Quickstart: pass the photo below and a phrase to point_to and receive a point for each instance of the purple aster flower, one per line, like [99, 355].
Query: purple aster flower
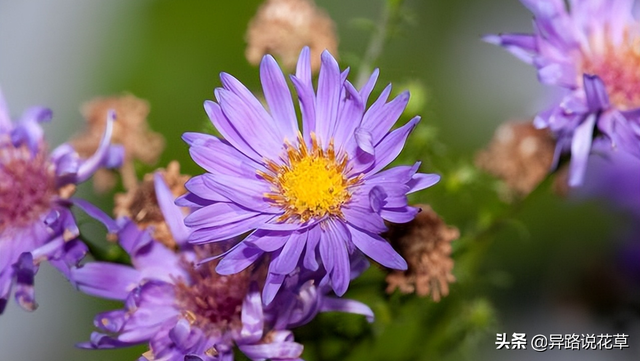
[315, 194]
[590, 50]
[36, 223]
[186, 312]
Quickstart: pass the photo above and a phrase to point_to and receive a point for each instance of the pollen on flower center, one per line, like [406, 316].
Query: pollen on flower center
[311, 183]
[212, 302]
[27, 185]
[619, 68]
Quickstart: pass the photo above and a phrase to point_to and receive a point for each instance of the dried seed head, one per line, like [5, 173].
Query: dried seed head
[425, 243]
[131, 130]
[283, 27]
[520, 155]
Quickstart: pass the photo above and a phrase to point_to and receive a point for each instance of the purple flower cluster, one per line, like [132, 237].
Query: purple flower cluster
[590, 50]
[264, 241]
[312, 199]
[36, 223]
[313, 203]
[189, 312]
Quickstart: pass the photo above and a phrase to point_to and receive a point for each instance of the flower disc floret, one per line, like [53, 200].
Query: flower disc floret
[618, 65]
[27, 185]
[311, 183]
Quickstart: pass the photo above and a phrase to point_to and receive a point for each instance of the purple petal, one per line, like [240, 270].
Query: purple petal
[303, 67]
[102, 341]
[252, 316]
[288, 258]
[328, 98]
[619, 128]
[240, 258]
[369, 85]
[341, 273]
[345, 305]
[306, 96]
[364, 139]
[523, 46]
[272, 284]
[228, 131]
[400, 214]
[248, 193]
[217, 215]
[326, 251]
[191, 200]
[24, 272]
[596, 93]
[91, 164]
[378, 249]
[377, 195]
[377, 106]
[227, 231]
[275, 350]
[380, 121]
[350, 114]
[391, 145]
[278, 97]
[260, 133]
[72, 253]
[131, 238]
[220, 158]
[558, 74]
[180, 332]
[106, 280]
[420, 181]
[114, 157]
[310, 260]
[110, 321]
[172, 214]
[580, 148]
[199, 189]
[267, 240]
[360, 214]
[204, 140]
[96, 213]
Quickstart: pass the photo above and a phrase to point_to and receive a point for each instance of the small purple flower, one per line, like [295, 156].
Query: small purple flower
[36, 223]
[591, 51]
[186, 312]
[318, 194]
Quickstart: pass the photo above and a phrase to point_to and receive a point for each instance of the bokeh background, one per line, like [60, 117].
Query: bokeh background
[560, 265]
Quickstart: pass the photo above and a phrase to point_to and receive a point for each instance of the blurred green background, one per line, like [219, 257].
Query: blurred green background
[553, 267]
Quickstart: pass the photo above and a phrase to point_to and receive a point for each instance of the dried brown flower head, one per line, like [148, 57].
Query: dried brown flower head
[141, 205]
[130, 129]
[561, 181]
[425, 243]
[520, 155]
[283, 27]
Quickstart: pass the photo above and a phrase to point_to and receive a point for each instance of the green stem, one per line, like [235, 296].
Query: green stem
[481, 240]
[390, 12]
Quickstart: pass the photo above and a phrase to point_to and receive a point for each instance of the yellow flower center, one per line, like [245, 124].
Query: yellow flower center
[619, 68]
[311, 183]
